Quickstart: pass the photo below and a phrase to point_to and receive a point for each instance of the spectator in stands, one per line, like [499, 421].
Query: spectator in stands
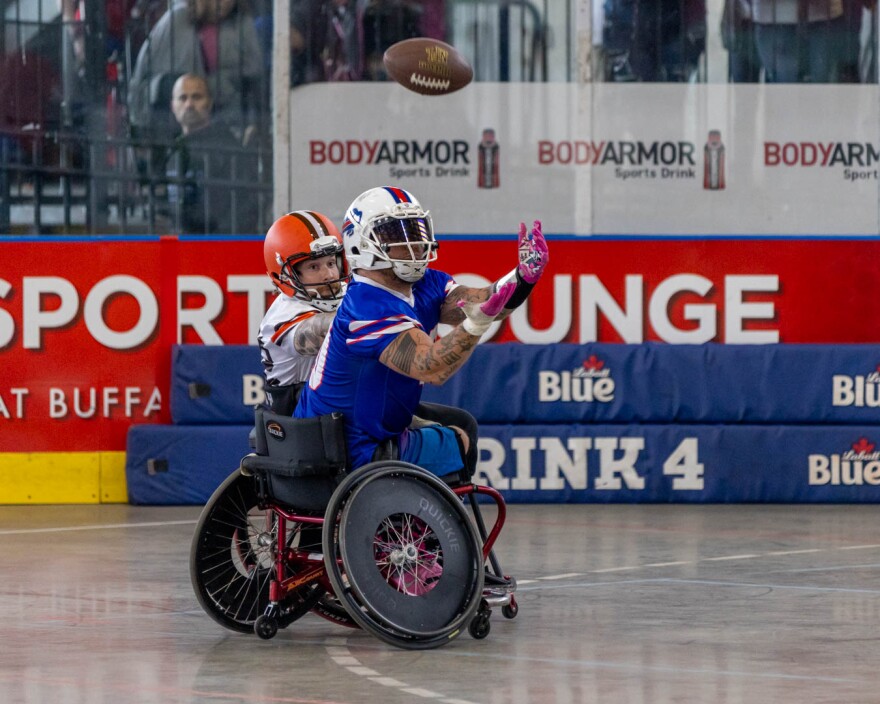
[738, 37]
[310, 34]
[386, 22]
[326, 41]
[432, 23]
[854, 68]
[116, 14]
[868, 57]
[344, 40]
[212, 38]
[799, 40]
[654, 40]
[207, 168]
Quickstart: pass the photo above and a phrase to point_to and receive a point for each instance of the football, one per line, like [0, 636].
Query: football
[427, 66]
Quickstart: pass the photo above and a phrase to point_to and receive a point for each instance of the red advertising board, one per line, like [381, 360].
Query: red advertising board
[86, 326]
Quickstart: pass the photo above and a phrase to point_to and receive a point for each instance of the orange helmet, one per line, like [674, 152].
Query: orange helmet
[296, 237]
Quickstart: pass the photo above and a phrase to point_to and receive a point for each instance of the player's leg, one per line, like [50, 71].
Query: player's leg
[438, 449]
[458, 417]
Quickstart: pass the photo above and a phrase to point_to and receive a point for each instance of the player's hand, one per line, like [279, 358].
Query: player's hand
[479, 316]
[533, 252]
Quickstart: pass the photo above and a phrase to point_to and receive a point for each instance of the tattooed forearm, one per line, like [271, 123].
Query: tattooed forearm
[403, 354]
[451, 352]
[451, 314]
[414, 355]
[310, 333]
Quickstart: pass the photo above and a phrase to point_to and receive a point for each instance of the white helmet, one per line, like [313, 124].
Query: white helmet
[386, 228]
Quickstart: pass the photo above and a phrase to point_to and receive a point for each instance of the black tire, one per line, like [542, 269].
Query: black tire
[510, 610]
[232, 559]
[266, 627]
[480, 626]
[402, 555]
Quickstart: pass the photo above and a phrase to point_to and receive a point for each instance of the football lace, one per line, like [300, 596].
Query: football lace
[430, 83]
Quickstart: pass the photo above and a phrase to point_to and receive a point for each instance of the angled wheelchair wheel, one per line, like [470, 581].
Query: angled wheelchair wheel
[402, 555]
[330, 608]
[232, 558]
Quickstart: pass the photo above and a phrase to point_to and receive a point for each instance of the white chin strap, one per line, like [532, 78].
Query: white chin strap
[326, 305]
[409, 271]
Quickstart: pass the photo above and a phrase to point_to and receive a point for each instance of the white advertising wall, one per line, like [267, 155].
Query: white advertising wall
[598, 158]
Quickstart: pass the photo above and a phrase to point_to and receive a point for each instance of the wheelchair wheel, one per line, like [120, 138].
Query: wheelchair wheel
[233, 556]
[402, 555]
[330, 608]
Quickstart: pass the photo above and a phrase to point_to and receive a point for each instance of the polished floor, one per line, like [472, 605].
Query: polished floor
[618, 604]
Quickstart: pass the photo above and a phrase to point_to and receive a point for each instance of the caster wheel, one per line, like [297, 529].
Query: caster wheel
[510, 610]
[266, 627]
[479, 627]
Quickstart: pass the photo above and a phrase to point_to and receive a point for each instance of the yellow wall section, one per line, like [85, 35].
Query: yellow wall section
[62, 477]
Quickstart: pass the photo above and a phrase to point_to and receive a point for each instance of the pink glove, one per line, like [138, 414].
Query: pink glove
[479, 316]
[533, 253]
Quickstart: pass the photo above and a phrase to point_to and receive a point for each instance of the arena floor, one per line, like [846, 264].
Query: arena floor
[621, 604]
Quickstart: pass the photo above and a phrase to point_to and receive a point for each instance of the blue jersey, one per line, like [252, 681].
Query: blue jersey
[377, 402]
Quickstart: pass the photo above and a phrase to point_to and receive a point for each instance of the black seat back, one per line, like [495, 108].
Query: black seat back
[301, 459]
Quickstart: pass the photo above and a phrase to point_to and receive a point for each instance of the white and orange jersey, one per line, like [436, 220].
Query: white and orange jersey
[282, 364]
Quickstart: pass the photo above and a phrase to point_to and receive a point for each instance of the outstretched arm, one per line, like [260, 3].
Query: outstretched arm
[415, 355]
[533, 258]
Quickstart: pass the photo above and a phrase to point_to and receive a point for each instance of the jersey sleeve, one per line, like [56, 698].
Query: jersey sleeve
[449, 284]
[370, 332]
[443, 285]
[281, 331]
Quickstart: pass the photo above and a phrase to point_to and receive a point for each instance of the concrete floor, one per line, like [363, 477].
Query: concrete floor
[622, 604]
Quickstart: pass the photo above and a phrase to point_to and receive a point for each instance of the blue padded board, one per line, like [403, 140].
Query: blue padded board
[601, 383]
[659, 383]
[681, 463]
[208, 383]
[169, 464]
[575, 463]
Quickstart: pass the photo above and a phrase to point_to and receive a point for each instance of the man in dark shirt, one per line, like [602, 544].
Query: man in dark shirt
[207, 168]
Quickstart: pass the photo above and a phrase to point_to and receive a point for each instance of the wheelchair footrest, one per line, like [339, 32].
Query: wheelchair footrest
[497, 590]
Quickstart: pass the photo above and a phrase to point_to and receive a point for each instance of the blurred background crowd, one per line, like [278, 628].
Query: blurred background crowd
[152, 116]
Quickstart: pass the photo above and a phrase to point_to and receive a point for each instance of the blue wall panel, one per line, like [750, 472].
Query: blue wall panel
[603, 383]
[209, 384]
[175, 464]
[681, 463]
[575, 463]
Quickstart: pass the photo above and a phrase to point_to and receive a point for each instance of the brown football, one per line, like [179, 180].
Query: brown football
[427, 66]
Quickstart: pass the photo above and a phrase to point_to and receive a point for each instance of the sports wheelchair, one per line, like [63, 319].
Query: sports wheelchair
[389, 547]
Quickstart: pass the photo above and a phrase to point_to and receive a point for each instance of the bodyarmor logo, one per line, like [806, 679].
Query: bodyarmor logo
[591, 382]
[859, 465]
[856, 390]
[858, 160]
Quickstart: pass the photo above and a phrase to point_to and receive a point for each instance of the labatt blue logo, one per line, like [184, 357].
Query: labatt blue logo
[856, 466]
[591, 382]
[860, 390]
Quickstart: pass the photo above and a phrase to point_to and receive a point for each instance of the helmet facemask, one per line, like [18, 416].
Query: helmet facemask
[326, 295]
[404, 239]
